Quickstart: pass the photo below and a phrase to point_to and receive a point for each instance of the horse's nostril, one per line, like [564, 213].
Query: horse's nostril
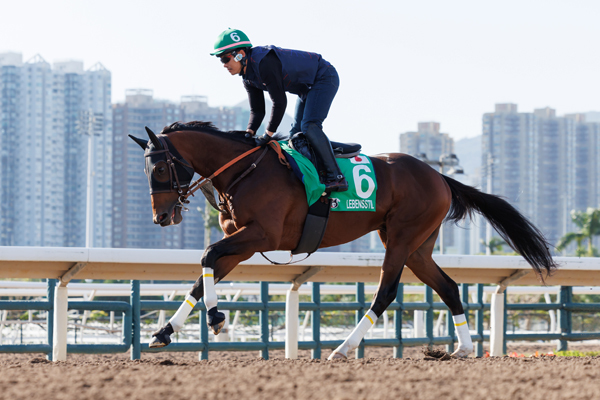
[162, 217]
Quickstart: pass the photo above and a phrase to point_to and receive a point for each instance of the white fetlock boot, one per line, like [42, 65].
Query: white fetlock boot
[465, 345]
[355, 337]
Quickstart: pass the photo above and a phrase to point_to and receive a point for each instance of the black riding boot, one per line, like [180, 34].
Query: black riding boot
[334, 180]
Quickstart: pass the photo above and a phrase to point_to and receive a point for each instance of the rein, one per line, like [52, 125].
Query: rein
[200, 182]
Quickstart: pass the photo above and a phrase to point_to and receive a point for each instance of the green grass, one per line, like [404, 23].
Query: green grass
[577, 353]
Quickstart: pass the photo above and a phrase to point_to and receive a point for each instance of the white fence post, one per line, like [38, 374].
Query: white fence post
[497, 313]
[551, 313]
[61, 302]
[419, 323]
[292, 311]
[497, 325]
[292, 305]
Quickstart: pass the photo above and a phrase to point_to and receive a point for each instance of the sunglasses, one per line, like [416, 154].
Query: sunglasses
[225, 59]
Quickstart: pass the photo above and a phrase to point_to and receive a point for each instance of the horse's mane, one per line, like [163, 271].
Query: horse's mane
[208, 127]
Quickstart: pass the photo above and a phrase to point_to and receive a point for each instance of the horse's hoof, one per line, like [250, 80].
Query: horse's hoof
[462, 353]
[216, 320]
[156, 344]
[218, 327]
[162, 337]
[337, 356]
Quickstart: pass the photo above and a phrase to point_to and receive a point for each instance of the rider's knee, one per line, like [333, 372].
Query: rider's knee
[306, 125]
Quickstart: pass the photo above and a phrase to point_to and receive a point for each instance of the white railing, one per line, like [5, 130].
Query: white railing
[232, 291]
[66, 264]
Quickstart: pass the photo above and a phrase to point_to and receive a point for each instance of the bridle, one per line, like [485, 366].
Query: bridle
[181, 173]
[168, 171]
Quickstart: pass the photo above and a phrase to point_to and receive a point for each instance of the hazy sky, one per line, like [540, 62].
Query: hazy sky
[400, 62]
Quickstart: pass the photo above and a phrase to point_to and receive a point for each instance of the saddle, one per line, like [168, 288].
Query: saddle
[318, 213]
[299, 143]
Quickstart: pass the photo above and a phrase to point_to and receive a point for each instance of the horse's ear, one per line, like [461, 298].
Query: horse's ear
[143, 143]
[157, 144]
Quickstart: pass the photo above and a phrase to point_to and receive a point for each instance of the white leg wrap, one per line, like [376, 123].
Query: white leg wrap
[465, 345]
[210, 296]
[182, 313]
[357, 334]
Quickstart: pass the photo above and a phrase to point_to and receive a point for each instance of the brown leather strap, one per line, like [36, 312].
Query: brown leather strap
[197, 184]
[230, 163]
[194, 186]
[250, 169]
[277, 147]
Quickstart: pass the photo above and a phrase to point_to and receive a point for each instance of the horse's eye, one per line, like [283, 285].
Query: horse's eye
[161, 172]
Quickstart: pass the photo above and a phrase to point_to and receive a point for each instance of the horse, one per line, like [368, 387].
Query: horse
[265, 209]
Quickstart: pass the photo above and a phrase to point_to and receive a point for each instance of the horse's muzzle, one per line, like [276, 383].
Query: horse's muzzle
[163, 219]
[166, 219]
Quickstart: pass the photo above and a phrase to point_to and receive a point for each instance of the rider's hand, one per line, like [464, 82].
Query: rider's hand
[262, 140]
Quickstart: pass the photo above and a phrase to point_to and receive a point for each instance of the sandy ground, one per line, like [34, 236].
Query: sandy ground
[246, 376]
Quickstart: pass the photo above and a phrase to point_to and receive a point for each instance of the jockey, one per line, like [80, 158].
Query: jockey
[277, 70]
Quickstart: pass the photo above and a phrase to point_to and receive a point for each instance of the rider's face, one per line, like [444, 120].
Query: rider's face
[234, 67]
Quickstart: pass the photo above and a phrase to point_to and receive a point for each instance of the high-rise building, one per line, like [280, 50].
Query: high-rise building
[427, 140]
[88, 122]
[12, 104]
[43, 167]
[46, 114]
[544, 165]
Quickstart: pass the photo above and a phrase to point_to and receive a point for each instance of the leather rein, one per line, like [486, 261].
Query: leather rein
[186, 191]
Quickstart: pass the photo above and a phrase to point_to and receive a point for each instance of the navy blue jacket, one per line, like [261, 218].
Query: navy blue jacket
[300, 69]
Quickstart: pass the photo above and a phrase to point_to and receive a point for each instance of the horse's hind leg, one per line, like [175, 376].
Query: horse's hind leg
[395, 257]
[422, 265]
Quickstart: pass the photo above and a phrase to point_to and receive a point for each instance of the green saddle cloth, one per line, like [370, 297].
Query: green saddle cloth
[359, 172]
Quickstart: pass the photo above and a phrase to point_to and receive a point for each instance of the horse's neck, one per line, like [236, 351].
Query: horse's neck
[207, 152]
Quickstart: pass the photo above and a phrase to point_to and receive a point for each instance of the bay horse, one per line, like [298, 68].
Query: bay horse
[266, 211]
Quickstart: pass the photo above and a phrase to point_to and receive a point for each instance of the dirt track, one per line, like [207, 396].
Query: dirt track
[244, 376]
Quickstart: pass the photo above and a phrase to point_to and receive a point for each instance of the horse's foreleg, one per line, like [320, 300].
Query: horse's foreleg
[161, 337]
[205, 287]
[423, 266]
[386, 293]
[218, 260]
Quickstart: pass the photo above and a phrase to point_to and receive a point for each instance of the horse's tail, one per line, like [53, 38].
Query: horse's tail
[516, 230]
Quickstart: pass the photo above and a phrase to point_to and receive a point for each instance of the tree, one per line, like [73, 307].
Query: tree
[588, 223]
[495, 245]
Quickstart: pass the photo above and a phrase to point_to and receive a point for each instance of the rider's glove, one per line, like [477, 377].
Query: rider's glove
[262, 140]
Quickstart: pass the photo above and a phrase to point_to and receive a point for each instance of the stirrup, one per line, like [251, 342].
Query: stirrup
[336, 185]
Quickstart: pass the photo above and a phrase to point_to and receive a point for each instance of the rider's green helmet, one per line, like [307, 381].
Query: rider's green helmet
[229, 40]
